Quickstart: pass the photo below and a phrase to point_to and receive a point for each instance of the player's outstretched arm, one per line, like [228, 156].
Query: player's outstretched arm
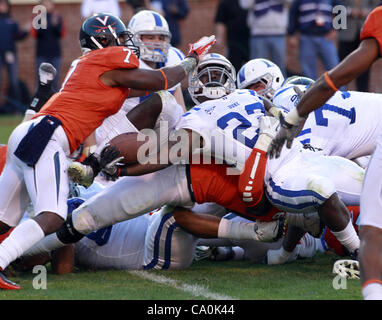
[324, 88]
[161, 79]
[205, 225]
[354, 64]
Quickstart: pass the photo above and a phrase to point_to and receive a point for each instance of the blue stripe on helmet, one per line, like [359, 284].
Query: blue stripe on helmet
[281, 91]
[158, 20]
[266, 62]
[241, 75]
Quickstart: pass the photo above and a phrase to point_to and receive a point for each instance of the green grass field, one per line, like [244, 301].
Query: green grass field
[239, 280]
[205, 280]
[7, 124]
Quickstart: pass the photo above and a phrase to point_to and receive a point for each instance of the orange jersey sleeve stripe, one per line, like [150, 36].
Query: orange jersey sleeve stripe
[251, 180]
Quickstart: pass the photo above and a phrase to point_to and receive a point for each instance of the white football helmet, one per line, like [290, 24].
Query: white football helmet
[298, 80]
[213, 78]
[263, 71]
[147, 22]
[286, 97]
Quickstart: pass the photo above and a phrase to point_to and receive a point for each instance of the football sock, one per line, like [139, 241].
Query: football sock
[238, 230]
[372, 291]
[25, 235]
[281, 256]
[348, 237]
[46, 245]
[238, 253]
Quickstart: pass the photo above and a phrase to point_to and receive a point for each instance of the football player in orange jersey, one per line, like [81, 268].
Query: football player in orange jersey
[369, 50]
[94, 88]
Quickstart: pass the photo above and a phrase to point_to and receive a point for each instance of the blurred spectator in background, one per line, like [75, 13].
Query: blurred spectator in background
[349, 38]
[312, 19]
[268, 21]
[10, 33]
[173, 11]
[232, 30]
[48, 47]
[139, 5]
[90, 7]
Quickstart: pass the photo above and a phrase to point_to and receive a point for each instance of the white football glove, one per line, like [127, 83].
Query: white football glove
[289, 128]
[267, 131]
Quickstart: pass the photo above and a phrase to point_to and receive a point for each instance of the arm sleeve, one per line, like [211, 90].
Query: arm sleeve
[372, 27]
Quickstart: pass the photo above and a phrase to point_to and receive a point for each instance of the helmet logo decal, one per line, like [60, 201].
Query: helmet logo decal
[100, 29]
[104, 20]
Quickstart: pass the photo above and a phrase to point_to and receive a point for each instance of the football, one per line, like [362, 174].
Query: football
[128, 145]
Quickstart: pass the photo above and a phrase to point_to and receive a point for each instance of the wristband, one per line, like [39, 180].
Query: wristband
[329, 82]
[165, 79]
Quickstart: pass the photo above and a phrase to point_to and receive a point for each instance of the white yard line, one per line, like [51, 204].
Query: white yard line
[195, 290]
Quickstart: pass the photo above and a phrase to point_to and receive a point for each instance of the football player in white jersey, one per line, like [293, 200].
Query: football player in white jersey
[260, 75]
[150, 241]
[152, 35]
[341, 127]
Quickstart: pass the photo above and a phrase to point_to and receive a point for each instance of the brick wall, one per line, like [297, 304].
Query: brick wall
[198, 23]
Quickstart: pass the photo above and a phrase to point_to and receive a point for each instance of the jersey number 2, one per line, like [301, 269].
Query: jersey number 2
[237, 132]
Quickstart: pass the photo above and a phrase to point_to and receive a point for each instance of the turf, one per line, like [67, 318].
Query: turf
[309, 279]
[7, 124]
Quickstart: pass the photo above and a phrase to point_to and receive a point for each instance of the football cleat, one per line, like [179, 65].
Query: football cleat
[347, 268]
[202, 253]
[269, 231]
[7, 284]
[308, 246]
[222, 254]
[81, 173]
[280, 256]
